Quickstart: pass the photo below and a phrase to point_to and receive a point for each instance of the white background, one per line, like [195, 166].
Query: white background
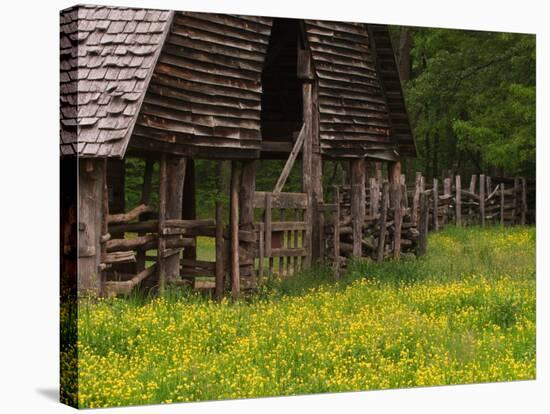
[30, 192]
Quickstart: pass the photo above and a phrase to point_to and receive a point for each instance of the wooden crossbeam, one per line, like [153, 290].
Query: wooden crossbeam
[290, 161]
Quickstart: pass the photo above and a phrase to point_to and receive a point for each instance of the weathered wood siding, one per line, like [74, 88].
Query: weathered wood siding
[205, 93]
[353, 114]
[387, 70]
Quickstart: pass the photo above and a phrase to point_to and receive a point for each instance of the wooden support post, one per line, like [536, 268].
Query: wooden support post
[416, 199]
[175, 179]
[246, 222]
[382, 223]
[116, 169]
[395, 179]
[489, 183]
[161, 261]
[316, 173]
[91, 179]
[458, 201]
[502, 204]
[234, 229]
[218, 293]
[307, 153]
[374, 197]
[482, 198]
[523, 202]
[189, 209]
[423, 222]
[358, 172]
[435, 205]
[104, 225]
[404, 195]
[336, 221]
[145, 200]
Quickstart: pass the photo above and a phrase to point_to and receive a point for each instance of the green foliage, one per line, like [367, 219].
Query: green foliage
[472, 100]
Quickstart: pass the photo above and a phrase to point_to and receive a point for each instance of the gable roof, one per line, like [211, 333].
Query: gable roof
[107, 58]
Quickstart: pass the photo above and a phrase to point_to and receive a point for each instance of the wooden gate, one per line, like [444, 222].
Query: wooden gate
[284, 242]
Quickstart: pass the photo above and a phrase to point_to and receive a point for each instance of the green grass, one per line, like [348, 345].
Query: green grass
[464, 313]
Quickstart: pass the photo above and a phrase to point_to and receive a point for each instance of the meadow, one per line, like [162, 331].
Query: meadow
[464, 313]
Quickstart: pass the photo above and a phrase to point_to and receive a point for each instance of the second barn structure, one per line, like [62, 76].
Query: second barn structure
[171, 87]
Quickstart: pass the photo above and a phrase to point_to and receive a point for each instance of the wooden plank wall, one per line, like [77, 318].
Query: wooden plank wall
[205, 93]
[353, 116]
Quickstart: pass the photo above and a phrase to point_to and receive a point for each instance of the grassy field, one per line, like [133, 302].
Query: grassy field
[464, 313]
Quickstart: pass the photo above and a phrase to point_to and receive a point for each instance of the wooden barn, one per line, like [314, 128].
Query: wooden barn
[172, 87]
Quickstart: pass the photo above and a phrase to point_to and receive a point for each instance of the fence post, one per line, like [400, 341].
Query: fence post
[458, 201]
[435, 205]
[423, 225]
[482, 198]
[416, 199]
[502, 204]
[382, 223]
[515, 200]
[523, 201]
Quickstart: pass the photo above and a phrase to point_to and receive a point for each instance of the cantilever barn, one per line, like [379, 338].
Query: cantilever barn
[171, 87]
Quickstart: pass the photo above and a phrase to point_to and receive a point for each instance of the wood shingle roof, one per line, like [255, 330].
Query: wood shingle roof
[107, 58]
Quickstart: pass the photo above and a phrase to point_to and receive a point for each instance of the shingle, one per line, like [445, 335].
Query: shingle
[80, 147]
[141, 50]
[109, 122]
[88, 134]
[156, 27]
[103, 24]
[140, 14]
[112, 73]
[130, 27]
[121, 50]
[102, 111]
[93, 39]
[95, 62]
[152, 15]
[101, 13]
[126, 74]
[115, 14]
[127, 85]
[141, 73]
[82, 36]
[131, 96]
[130, 110]
[107, 38]
[117, 106]
[143, 27]
[87, 121]
[121, 37]
[67, 149]
[107, 135]
[87, 110]
[128, 15]
[90, 149]
[116, 27]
